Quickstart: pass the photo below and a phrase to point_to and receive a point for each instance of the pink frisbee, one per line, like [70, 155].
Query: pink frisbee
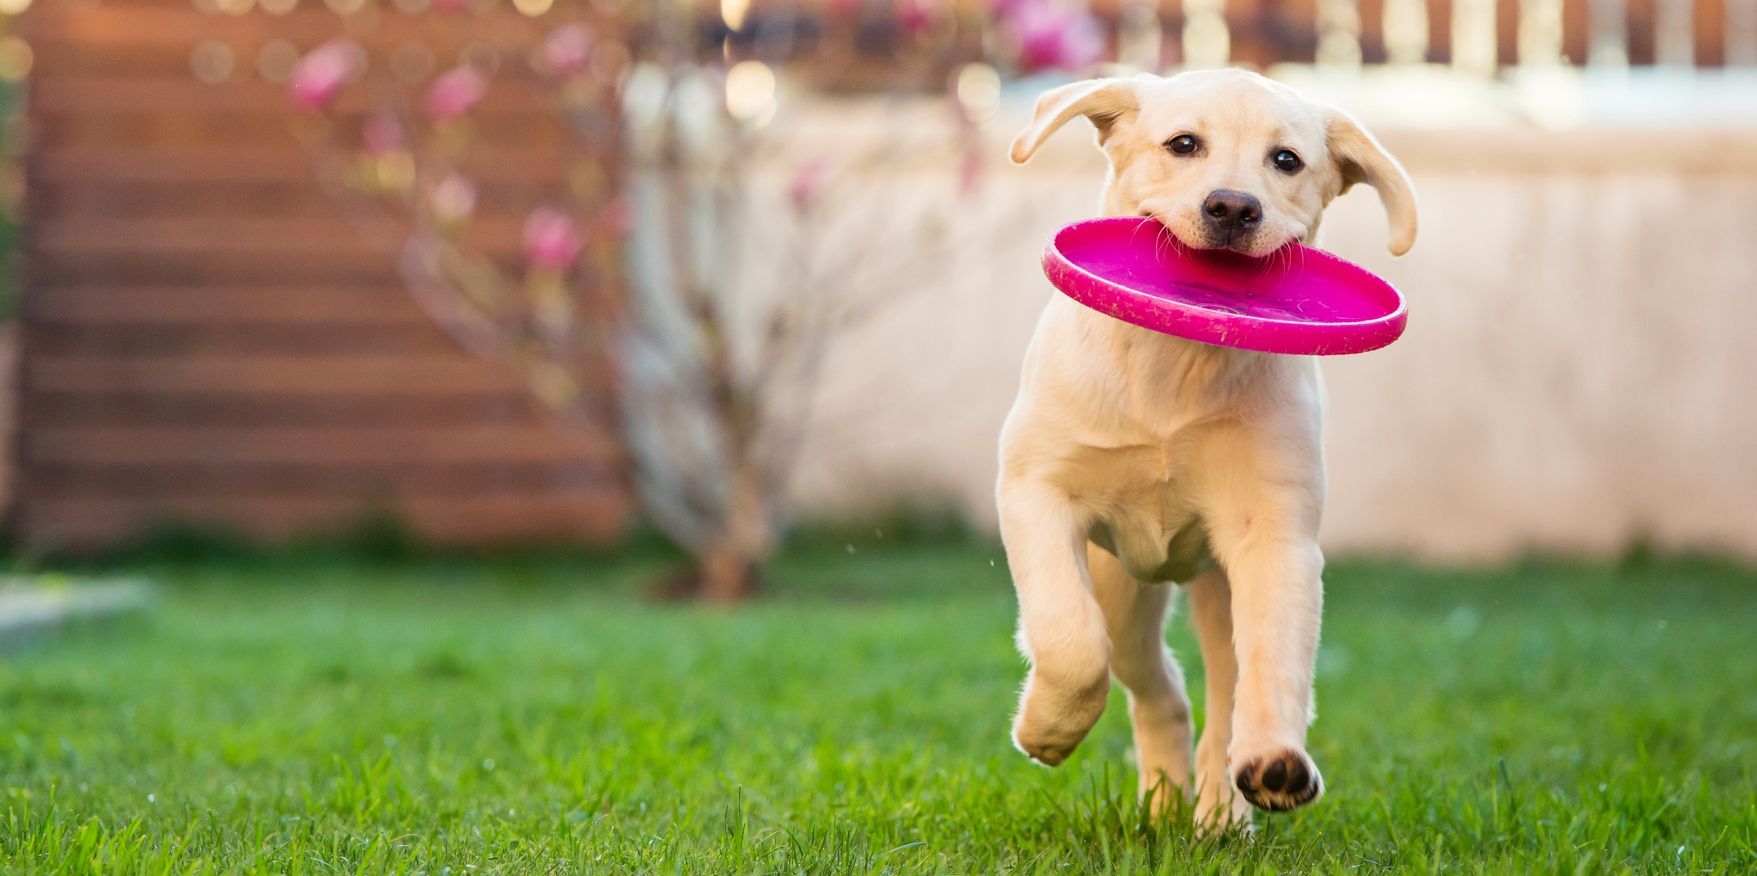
[1302, 301]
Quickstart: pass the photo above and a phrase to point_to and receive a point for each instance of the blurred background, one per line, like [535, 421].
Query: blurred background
[551, 271]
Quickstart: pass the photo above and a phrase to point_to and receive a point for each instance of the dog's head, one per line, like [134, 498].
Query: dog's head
[1225, 159]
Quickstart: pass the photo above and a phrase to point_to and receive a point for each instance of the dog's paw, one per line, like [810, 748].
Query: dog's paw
[1279, 782]
[1045, 749]
[1163, 795]
[1220, 810]
[1052, 721]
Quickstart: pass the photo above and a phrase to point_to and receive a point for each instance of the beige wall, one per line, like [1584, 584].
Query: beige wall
[1580, 366]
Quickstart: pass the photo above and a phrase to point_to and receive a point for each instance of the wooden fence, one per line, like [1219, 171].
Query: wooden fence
[207, 338]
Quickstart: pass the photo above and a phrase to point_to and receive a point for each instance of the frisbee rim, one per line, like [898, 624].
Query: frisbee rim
[1171, 316]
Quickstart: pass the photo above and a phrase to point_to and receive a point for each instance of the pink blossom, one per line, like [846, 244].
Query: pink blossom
[844, 10]
[552, 242]
[320, 75]
[454, 92]
[453, 200]
[1049, 35]
[808, 183]
[916, 17]
[567, 50]
[381, 134]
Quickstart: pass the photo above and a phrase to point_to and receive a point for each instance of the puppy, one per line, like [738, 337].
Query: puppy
[1131, 458]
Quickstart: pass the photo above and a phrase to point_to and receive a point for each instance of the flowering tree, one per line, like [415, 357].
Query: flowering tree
[731, 289]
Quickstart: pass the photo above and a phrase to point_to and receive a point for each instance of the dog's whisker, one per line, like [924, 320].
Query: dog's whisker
[1162, 235]
[1138, 228]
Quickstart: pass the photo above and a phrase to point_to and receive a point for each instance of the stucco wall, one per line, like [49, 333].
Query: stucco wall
[1579, 369]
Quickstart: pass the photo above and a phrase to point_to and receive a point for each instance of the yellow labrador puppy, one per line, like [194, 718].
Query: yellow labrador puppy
[1132, 458]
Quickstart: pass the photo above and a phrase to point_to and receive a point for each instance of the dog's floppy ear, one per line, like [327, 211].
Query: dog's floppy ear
[1101, 100]
[1363, 160]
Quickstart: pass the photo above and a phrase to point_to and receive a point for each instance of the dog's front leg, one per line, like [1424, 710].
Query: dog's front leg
[1061, 629]
[1271, 556]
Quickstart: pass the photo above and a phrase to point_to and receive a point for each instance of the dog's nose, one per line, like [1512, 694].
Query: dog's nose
[1232, 210]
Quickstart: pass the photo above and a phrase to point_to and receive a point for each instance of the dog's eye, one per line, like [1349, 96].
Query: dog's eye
[1182, 144]
[1287, 162]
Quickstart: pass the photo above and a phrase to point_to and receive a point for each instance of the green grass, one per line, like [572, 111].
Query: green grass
[330, 714]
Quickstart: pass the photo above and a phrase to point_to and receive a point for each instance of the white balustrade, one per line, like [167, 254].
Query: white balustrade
[1608, 33]
[1540, 33]
[1674, 39]
[1741, 33]
[1339, 34]
[1206, 40]
[1406, 31]
[1474, 47]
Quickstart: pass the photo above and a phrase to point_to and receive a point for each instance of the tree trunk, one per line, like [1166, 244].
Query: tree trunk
[727, 574]
[729, 567]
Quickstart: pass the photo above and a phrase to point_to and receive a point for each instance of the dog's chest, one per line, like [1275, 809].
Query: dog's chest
[1139, 509]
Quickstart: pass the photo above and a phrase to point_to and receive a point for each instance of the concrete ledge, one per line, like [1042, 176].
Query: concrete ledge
[31, 608]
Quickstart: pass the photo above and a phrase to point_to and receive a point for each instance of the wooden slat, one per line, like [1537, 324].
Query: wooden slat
[179, 257]
[176, 236]
[58, 59]
[1642, 16]
[314, 305]
[301, 199]
[1372, 30]
[293, 375]
[238, 321]
[219, 339]
[112, 25]
[285, 445]
[1507, 31]
[501, 134]
[101, 198]
[1709, 33]
[1440, 31]
[48, 270]
[327, 478]
[1577, 32]
[82, 522]
[265, 165]
[129, 95]
[127, 409]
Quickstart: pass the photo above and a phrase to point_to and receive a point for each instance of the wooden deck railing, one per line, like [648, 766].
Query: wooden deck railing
[1475, 36]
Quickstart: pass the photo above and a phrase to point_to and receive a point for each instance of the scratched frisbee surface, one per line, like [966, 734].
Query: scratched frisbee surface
[1300, 301]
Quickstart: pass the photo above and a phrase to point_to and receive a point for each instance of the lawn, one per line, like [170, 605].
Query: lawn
[320, 712]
